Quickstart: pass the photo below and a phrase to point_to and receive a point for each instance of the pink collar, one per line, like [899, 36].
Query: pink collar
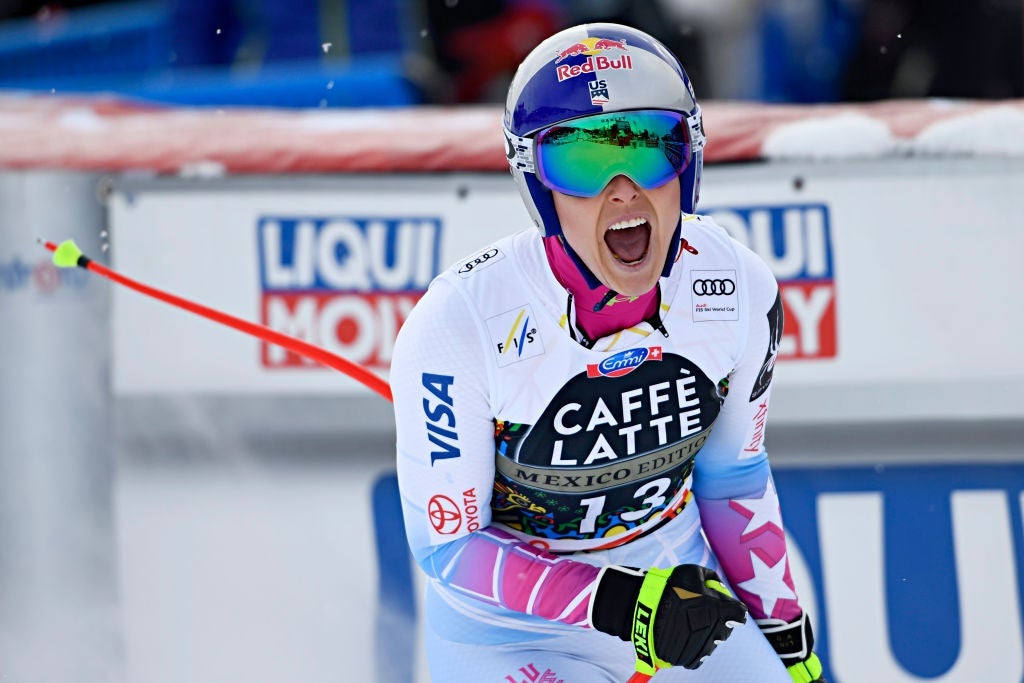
[618, 314]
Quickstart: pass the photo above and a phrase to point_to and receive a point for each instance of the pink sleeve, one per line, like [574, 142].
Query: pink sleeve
[739, 507]
[493, 566]
[748, 538]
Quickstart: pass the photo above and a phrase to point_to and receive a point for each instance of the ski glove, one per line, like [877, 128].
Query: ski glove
[793, 641]
[673, 616]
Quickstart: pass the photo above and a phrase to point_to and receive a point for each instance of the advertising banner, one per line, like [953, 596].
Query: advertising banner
[879, 271]
[340, 268]
[909, 572]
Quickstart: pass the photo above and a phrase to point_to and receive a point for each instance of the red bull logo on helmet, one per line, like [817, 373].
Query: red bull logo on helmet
[593, 49]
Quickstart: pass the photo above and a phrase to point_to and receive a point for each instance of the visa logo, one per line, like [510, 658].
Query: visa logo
[439, 408]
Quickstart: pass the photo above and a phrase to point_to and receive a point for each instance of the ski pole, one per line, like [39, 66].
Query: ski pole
[68, 255]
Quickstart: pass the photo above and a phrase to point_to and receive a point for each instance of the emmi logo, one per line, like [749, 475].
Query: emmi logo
[344, 283]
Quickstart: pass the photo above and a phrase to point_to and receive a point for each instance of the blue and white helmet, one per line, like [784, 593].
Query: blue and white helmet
[594, 69]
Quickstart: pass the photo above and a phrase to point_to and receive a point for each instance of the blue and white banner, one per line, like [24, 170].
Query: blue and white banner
[916, 569]
[909, 572]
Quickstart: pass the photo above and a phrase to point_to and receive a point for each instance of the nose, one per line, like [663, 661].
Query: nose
[621, 189]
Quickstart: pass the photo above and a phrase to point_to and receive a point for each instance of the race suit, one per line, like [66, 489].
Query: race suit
[526, 460]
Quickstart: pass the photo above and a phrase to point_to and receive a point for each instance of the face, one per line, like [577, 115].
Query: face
[622, 234]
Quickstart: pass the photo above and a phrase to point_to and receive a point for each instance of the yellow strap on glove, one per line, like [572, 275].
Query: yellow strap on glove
[807, 671]
[793, 641]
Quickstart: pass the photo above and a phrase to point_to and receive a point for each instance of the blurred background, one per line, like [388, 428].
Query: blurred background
[181, 502]
[276, 52]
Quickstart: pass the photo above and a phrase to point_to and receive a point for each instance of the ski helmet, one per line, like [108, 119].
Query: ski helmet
[593, 69]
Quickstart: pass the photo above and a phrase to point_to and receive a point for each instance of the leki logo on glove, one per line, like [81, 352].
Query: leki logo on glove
[641, 634]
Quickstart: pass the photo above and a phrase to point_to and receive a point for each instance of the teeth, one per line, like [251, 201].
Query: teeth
[630, 223]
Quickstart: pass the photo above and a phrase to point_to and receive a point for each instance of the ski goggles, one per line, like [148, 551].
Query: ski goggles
[580, 157]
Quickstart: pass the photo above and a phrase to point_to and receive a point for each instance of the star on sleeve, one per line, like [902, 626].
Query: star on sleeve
[760, 512]
[768, 584]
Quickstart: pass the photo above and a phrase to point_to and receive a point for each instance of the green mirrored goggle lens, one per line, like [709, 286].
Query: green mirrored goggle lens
[580, 157]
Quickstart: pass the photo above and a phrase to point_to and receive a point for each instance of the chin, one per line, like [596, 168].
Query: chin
[635, 284]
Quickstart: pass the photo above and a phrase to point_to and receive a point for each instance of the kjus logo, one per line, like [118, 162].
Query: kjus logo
[595, 61]
[344, 283]
[795, 241]
[623, 362]
[514, 336]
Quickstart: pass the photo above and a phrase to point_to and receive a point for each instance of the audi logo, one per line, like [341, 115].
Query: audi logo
[722, 287]
[444, 514]
[486, 256]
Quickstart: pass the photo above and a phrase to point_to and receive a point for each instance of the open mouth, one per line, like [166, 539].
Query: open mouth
[629, 240]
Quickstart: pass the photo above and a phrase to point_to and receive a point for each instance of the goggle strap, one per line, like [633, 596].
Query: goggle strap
[696, 126]
[520, 152]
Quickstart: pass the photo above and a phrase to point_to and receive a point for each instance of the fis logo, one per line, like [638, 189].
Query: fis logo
[796, 243]
[623, 362]
[344, 283]
[514, 336]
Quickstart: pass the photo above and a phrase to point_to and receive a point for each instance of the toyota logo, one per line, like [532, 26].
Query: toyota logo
[714, 287]
[444, 514]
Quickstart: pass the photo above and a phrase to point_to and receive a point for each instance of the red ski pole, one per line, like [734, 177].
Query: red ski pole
[68, 255]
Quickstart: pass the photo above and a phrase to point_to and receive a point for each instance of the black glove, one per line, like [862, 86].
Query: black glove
[793, 641]
[673, 616]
